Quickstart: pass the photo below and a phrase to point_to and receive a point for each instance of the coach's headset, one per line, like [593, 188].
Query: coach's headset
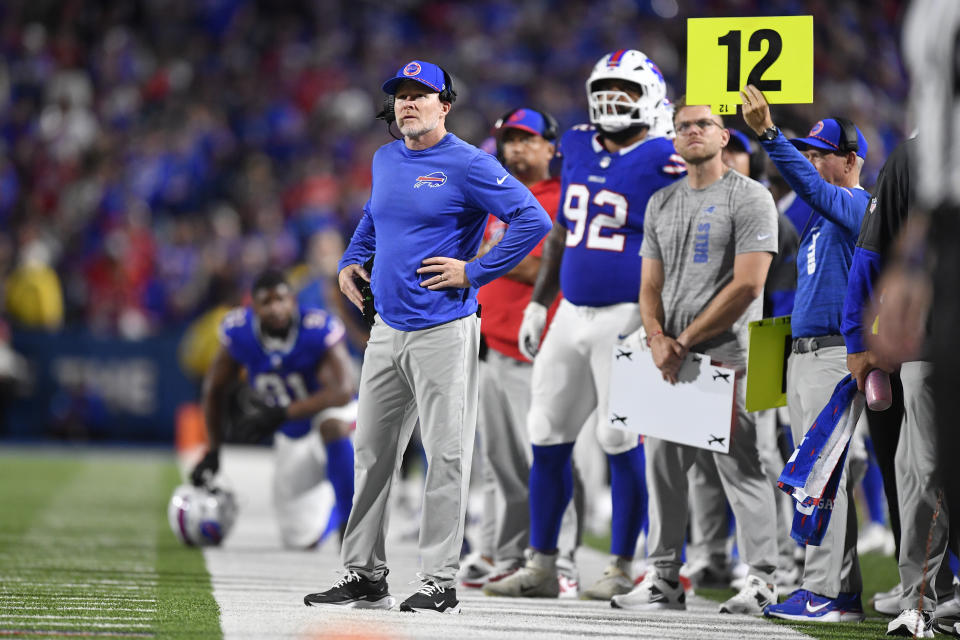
[550, 134]
[389, 115]
[848, 136]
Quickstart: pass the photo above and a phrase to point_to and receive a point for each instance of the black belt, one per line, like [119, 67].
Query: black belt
[806, 345]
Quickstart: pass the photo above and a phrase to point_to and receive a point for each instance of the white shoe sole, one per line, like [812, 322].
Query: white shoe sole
[451, 611]
[726, 610]
[388, 602]
[834, 616]
[649, 606]
[904, 632]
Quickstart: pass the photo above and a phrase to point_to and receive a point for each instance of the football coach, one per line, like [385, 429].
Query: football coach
[424, 220]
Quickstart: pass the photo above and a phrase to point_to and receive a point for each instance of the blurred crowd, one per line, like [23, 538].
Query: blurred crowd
[155, 155]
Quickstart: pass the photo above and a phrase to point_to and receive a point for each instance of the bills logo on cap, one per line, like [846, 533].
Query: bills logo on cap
[517, 115]
[817, 128]
[411, 69]
[432, 180]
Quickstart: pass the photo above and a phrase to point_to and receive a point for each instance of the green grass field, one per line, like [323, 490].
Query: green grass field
[85, 549]
[879, 574]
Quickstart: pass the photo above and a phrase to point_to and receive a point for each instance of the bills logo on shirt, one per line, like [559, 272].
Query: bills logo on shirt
[432, 180]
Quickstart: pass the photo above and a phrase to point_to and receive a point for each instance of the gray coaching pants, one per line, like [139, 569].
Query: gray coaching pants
[917, 488]
[744, 483]
[832, 567]
[433, 374]
[507, 455]
[708, 507]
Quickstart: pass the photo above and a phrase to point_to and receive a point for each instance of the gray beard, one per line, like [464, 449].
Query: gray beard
[416, 134]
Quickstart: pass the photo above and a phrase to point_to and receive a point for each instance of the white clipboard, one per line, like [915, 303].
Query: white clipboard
[697, 411]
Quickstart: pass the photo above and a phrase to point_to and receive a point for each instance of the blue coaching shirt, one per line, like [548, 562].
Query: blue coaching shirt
[434, 202]
[604, 197]
[287, 371]
[826, 246]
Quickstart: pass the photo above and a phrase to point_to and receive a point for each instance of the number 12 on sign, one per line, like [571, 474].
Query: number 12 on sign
[775, 54]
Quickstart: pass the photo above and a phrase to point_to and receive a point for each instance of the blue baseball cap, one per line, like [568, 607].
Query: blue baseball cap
[426, 73]
[827, 135]
[739, 139]
[529, 120]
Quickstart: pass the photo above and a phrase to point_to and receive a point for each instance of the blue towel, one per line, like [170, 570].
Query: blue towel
[812, 475]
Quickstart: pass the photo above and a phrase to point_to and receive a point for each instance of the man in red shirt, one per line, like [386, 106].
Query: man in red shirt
[525, 144]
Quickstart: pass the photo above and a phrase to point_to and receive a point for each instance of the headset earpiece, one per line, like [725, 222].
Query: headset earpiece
[448, 94]
[387, 113]
[848, 138]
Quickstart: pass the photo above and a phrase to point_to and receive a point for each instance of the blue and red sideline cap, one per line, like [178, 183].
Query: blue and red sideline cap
[426, 73]
[827, 134]
[529, 120]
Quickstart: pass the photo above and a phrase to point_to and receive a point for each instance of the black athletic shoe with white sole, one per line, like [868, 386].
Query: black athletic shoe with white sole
[432, 598]
[355, 591]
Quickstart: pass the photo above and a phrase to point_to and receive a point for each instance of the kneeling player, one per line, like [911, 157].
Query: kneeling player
[296, 362]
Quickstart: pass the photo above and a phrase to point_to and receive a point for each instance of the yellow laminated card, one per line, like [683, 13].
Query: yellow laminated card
[773, 53]
[770, 341]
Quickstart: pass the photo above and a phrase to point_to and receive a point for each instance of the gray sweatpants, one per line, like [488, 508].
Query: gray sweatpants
[917, 488]
[708, 506]
[507, 454]
[432, 373]
[709, 525]
[744, 483]
[832, 567]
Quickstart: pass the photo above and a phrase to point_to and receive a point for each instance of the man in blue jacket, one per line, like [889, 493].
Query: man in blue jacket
[824, 171]
[424, 221]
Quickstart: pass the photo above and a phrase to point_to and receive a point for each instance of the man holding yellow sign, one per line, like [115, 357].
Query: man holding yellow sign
[826, 175]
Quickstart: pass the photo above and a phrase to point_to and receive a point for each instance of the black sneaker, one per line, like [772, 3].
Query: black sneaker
[354, 591]
[947, 625]
[433, 598]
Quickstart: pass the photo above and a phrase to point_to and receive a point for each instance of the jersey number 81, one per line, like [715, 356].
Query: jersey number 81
[272, 385]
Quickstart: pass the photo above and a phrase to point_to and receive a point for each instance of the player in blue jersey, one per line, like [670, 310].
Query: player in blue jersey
[297, 364]
[609, 171]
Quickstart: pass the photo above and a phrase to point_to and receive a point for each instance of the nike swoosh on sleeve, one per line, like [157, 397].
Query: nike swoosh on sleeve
[500, 180]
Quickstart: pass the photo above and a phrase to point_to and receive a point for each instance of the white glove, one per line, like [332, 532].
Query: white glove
[531, 329]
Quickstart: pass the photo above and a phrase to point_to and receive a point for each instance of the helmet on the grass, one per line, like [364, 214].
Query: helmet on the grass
[201, 516]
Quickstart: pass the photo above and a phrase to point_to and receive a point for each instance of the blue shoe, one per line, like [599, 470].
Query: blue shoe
[806, 606]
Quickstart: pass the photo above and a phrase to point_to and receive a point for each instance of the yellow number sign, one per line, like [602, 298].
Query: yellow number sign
[773, 53]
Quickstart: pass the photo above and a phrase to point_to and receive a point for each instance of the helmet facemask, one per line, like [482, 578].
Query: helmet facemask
[615, 111]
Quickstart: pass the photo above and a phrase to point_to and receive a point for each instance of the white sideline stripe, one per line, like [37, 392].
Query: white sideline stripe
[14, 607]
[260, 587]
[87, 586]
[54, 617]
[138, 584]
[88, 598]
[74, 513]
[84, 622]
[67, 633]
